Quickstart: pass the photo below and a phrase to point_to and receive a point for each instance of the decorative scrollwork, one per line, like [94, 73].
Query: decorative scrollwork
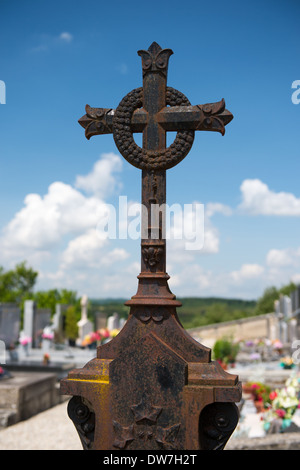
[84, 420]
[152, 255]
[212, 117]
[146, 428]
[149, 159]
[96, 121]
[155, 59]
[216, 424]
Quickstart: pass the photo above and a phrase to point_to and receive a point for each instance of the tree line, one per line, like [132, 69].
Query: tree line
[17, 285]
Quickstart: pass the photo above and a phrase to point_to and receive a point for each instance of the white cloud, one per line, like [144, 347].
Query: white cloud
[216, 207]
[279, 258]
[45, 222]
[48, 42]
[258, 199]
[101, 181]
[90, 250]
[66, 37]
[246, 272]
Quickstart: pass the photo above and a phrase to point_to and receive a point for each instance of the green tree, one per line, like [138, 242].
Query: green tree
[286, 290]
[49, 298]
[265, 303]
[71, 328]
[17, 284]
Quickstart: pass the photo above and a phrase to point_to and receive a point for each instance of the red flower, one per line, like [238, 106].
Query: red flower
[280, 413]
[273, 395]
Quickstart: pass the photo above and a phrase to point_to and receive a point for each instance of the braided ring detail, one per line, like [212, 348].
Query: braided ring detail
[149, 159]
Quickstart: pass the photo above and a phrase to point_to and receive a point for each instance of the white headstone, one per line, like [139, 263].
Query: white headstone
[85, 326]
[29, 311]
[113, 322]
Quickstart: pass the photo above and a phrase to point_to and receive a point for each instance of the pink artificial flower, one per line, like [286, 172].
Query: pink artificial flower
[280, 413]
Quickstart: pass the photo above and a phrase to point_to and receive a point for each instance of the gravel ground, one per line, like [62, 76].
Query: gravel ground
[49, 430]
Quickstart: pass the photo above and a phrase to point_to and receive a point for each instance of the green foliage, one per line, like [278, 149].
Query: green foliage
[71, 329]
[49, 299]
[109, 307]
[17, 284]
[265, 303]
[225, 350]
[197, 312]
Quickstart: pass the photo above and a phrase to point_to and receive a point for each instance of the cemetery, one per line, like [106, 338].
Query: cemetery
[269, 409]
[145, 383]
[129, 325]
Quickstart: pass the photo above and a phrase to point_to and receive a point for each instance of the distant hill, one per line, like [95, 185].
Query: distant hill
[195, 311]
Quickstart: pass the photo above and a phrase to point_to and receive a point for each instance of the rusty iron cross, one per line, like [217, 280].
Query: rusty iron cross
[153, 110]
[153, 386]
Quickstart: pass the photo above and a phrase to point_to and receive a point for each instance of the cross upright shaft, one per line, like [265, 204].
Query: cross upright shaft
[154, 138]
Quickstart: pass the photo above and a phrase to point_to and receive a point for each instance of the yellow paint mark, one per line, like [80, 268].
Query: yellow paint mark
[99, 381]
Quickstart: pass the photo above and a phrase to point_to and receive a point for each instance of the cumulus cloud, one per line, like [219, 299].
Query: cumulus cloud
[45, 222]
[278, 258]
[247, 271]
[258, 199]
[86, 251]
[101, 181]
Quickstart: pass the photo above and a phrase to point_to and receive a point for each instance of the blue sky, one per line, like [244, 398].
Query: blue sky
[58, 56]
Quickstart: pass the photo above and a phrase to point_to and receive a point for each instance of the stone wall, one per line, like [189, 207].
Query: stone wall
[262, 326]
[284, 441]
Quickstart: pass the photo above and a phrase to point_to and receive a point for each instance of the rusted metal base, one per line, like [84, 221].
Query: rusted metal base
[153, 387]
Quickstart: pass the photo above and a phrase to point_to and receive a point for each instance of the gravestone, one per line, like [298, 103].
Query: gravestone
[35, 320]
[57, 323]
[10, 317]
[28, 323]
[153, 387]
[285, 306]
[101, 320]
[42, 319]
[113, 322]
[85, 326]
[295, 299]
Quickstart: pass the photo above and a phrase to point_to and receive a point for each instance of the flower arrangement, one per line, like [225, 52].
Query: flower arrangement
[49, 336]
[287, 362]
[99, 337]
[225, 351]
[277, 345]
[283, 404]
[46, 358]
[260, 393]
[24, 340]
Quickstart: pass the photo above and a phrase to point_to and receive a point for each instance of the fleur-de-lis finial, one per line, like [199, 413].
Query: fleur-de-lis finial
[155, 59]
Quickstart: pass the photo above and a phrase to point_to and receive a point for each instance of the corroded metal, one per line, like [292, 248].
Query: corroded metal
[153, 386]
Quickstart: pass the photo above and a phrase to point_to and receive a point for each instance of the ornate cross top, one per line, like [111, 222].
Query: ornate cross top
[153, 386]
[154, 110]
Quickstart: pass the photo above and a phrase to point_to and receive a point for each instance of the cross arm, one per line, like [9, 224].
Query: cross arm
[207, 117]
[100, 121]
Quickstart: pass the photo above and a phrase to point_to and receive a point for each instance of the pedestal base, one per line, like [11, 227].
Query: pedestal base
[153, 387]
